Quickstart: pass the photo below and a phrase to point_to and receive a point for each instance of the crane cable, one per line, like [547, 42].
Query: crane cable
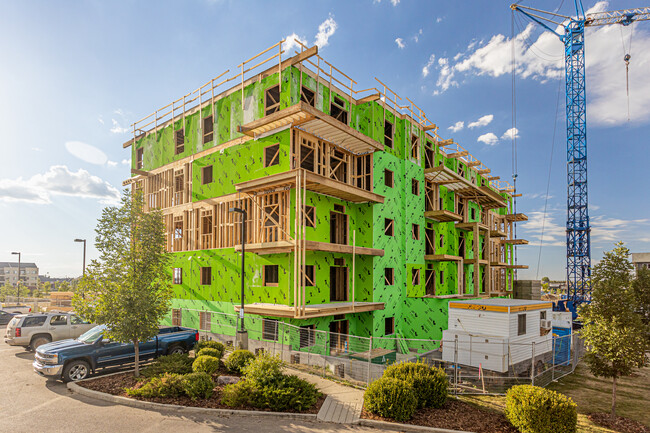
[548, 181]
[626, 58]
[514, 133]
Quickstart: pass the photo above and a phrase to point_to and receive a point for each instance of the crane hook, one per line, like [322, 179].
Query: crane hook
[626, 59]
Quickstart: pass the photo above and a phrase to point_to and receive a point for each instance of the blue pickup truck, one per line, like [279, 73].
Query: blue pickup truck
[72, 360]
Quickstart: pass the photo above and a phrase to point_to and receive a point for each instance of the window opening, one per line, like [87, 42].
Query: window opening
[338, 228]
[270, 275]
[521, 324]
[389, 229]
[415, 187]
[430, 283]
[389, 325]
[272, 155]
[272, 100]
[415, 232]
[208, 128]
[388, 134]
[338, 283]
[308, 96]
[178, 275]
[389, 179]
[206, 275]
[309, 276]
[389, 276]
[206, 175]
[139, 155]
[415, 277]
[337, 110]
[310, 216]
[180, 141]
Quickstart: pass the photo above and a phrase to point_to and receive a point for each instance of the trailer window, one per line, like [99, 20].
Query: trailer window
[521, 324]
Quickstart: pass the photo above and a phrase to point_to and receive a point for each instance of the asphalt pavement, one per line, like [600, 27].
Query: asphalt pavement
[31, 403]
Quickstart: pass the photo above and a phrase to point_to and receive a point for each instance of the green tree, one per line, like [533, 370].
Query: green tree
[546, 280]
[63, 286]
[641, 291]
[613, 331]
[128, 287]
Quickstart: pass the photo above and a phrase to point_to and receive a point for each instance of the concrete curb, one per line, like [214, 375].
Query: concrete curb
[383, 425]
[74, 387]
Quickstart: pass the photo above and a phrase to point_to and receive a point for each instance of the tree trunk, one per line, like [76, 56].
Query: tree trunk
[614, 398]
[136, 345]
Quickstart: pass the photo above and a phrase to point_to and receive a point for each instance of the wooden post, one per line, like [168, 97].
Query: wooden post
[354, 256]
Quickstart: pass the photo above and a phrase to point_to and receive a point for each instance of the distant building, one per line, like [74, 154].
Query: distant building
[28, 272]
[641, 261]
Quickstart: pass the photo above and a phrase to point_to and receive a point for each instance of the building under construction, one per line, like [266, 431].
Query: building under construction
[360, 218]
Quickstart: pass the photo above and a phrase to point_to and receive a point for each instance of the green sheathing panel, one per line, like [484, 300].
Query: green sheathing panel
[359, 219]
[159, 147]
[238, 164]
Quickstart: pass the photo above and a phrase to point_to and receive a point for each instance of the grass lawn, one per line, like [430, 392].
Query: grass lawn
[594, 395]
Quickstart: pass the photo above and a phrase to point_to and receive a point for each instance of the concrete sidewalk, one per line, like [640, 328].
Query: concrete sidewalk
[343, 403]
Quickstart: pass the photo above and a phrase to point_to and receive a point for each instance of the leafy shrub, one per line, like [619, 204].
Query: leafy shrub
[532, 409]
[210, 352]
[178, 363]
[289, 393]
[238, 394]
[238, 360]
[392, 398]
[429, 384]
[212, 345]
[167, 385]
[264, 370]
[206, 363]
[198, 385]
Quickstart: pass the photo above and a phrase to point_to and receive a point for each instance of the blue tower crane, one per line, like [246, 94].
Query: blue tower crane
[578, 237]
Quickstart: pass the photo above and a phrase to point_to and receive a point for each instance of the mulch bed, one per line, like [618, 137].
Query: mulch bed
[456, 415]
[116, 383]
[620, 424]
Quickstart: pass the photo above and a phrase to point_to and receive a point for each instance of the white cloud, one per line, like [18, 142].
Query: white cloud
[482, 121]
[446, 75]
[36, 149]
[86, 152]
[605, 230]
[427, 67]
[510, 134]
[416, 38]
[394, 2]
[325, 30]
[290, 43]
[439, 19]
[536, 195]
[554, 233]
[542, 59]
[126, 162]
[100, 119]
[457, 126]
[58, 180]
[111, 163]
[119, 129]
[400, 43]
[490, 139]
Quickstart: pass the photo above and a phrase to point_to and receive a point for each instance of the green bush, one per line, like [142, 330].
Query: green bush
[198, 385]
[178, 363]
[238, 394]
[212, 345]
[210, 352]
[532, 409]
[167, 385]
[206, 363]
[264, 370]
[289, 393]
[238, 360]
[391, 398]
[429, 384]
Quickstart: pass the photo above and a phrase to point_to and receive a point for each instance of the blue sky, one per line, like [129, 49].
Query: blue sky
[75, 75]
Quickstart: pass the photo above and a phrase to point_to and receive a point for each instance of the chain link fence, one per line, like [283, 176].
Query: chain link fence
[474, 365]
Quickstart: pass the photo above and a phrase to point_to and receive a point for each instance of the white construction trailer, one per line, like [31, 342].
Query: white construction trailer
[501, 335]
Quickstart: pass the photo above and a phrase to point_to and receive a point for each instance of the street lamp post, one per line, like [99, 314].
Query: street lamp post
[242, 335]
[84, 241]
[18, 285]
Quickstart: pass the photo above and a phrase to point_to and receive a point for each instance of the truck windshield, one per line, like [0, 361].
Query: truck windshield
[92, 335]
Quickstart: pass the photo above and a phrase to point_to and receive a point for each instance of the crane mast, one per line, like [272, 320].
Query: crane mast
[578, 228]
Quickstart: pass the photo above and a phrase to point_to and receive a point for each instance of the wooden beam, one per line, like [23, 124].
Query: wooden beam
[140, 172]
[474, 164]
[369, 98]
[516, 195]
[484, 171]
[491, 178]
[447, 142]
[457, 154]
[430, 127]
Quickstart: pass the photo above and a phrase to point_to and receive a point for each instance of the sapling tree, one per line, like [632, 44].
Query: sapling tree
[613, 331]
[128, 287]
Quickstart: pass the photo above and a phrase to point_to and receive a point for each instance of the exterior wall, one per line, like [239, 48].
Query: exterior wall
[238, 159]
[29, 275]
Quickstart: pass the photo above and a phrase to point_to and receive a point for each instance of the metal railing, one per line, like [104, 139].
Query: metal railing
[361, 360]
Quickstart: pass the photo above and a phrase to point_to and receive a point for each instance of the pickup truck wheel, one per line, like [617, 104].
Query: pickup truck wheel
[39, 341]
[76, 370]
[174, 349]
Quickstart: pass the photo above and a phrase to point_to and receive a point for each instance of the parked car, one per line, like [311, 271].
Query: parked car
[17, 309]
[5, 317]
[72, 360]
[33, 330]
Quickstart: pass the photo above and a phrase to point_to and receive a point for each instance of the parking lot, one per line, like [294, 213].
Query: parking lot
[30, 403]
